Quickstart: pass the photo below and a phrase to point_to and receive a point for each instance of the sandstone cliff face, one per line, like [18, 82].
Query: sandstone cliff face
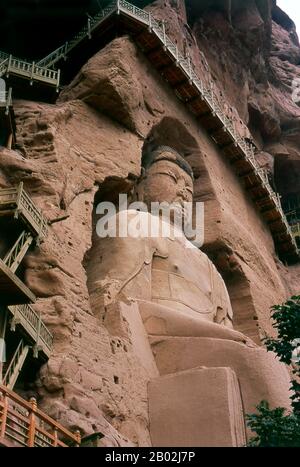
[88, 146]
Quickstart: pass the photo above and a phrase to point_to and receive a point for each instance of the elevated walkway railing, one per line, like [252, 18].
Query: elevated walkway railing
[28, 70]
[34, 325]
[210, 93]
[22, 424]
[92, 23]
[16, 199]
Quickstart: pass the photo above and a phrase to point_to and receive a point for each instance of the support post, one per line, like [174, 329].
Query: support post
[32, 422]
[4, 416]
[58, 80]
[278, 198]
[78, 438]
[66, 50]
[38, 332]
[9, 141]
[3, 324]
[8, 66]
[3, 321]
[89, 28]
[8, 101]
[16, 318]
[190, 69]
[150, 23]
[19, 196]
[164, 33]
[55, 435]
[32, 73]
[118, 7]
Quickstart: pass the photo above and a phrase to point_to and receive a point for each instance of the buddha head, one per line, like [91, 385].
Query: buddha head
[166, 177]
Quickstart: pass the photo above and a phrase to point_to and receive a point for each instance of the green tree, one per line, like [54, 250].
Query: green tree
[277, 428]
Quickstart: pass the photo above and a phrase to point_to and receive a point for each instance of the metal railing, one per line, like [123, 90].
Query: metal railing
[34, 325]
[22, 424]
[16, 198]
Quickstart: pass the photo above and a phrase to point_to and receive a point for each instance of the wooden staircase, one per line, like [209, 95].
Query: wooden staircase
[16, 206]
[14, 257]
[15, 366]
[26, 223]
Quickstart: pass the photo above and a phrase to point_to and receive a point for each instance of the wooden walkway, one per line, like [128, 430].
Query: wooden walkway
[199, 94]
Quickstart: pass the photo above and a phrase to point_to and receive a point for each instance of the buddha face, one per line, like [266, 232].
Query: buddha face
[165, 181]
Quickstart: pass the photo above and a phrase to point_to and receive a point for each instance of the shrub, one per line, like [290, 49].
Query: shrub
[277, 428]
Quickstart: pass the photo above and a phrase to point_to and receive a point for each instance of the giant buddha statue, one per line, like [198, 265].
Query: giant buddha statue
[209, 375]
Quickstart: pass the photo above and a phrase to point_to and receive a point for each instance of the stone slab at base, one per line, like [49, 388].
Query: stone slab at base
[199, 407]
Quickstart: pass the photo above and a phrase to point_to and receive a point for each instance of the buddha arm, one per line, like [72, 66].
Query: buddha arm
[120, 263]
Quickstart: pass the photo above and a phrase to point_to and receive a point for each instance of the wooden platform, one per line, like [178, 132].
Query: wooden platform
[12, 290]
[15, 69]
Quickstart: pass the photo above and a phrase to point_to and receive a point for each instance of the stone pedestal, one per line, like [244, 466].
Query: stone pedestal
[199, 407]
[260, 374]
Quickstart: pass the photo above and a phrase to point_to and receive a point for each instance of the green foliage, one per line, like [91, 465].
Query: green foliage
[286, 319]
[277, 428]
[274, 428]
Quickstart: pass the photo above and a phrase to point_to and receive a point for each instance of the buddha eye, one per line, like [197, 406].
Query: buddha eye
[169, 174]
[173, 176]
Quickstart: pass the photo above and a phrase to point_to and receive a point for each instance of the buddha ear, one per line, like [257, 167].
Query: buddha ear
[142, 176]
